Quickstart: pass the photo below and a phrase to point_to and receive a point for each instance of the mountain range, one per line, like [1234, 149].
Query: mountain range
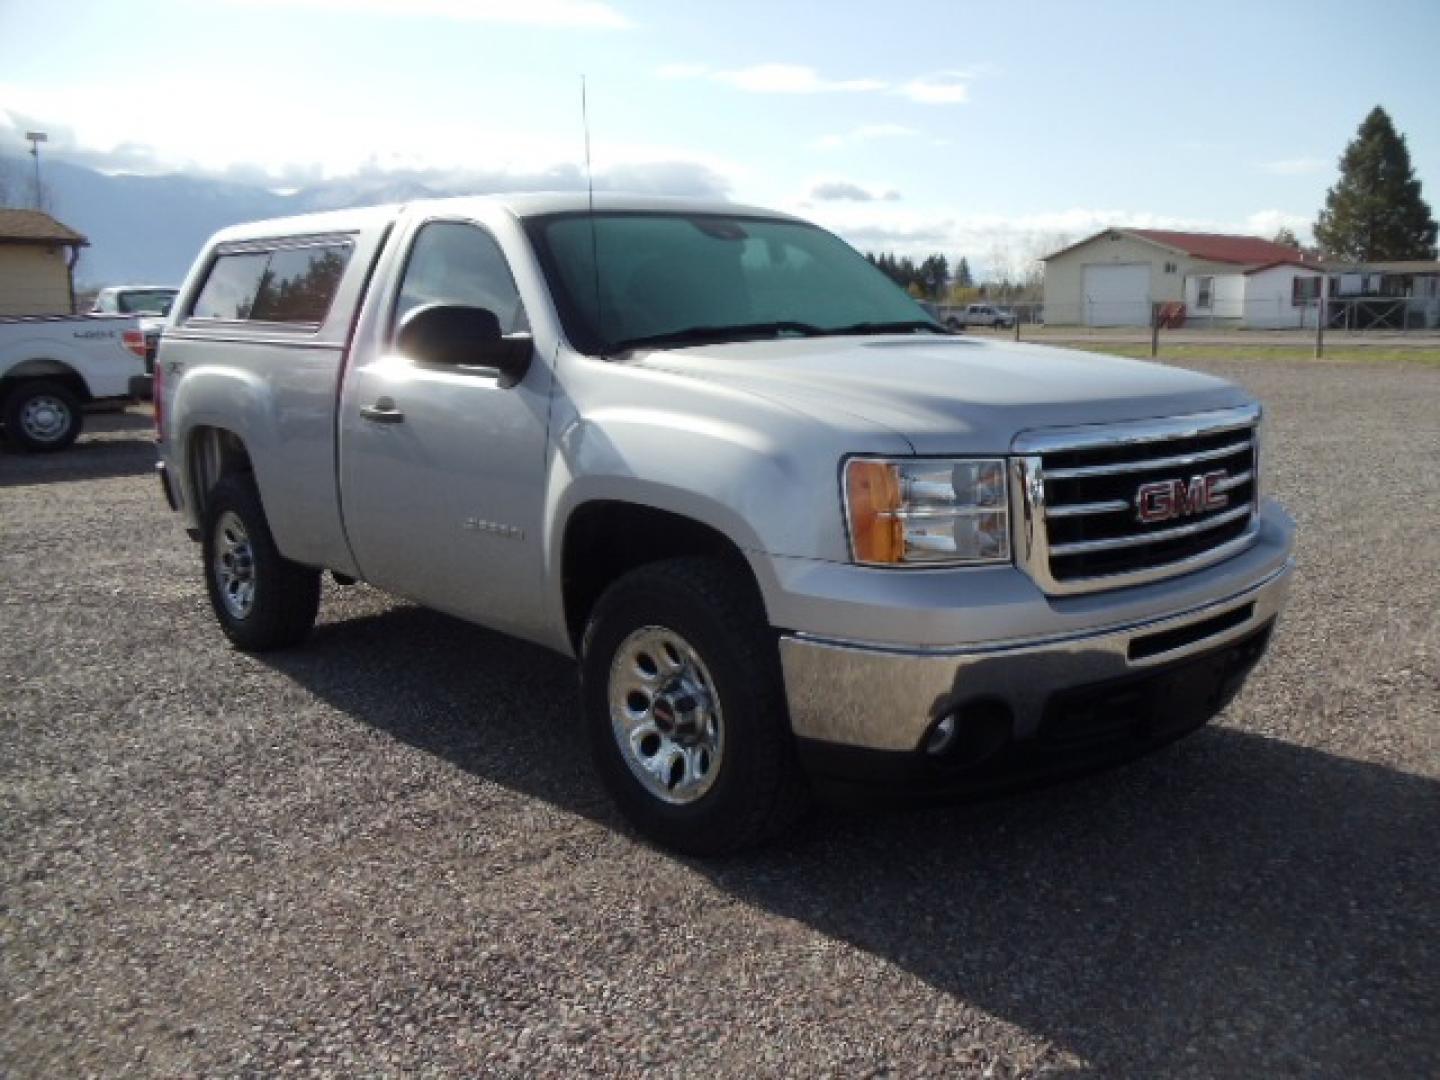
[148, 229]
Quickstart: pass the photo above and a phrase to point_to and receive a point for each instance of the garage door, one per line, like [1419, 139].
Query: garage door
[1117, 295]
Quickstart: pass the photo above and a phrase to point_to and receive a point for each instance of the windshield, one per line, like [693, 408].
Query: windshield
[676, 279]
[146, 301]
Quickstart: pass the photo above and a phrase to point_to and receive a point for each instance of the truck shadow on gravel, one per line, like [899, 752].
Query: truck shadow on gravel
[112, 445]
[1234, 905]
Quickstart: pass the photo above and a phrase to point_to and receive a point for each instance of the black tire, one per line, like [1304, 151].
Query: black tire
[758, 791]
[42, 416]
[955, 325]
[285, 596]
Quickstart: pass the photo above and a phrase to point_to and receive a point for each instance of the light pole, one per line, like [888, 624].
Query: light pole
[36, 138]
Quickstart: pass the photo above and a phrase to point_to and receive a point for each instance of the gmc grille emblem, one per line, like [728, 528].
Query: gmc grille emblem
[1166, 499]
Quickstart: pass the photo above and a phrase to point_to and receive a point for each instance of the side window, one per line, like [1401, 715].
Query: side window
[229, 291]
[290, 285]
[299, 284]
[455, 263]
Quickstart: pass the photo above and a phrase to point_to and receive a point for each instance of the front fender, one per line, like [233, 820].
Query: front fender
[733, 479]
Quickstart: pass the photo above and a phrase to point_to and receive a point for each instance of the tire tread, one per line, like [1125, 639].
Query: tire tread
[14, 434]
[288, 595]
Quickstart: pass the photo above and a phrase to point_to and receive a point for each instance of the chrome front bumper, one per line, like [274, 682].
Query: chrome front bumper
[889, 698]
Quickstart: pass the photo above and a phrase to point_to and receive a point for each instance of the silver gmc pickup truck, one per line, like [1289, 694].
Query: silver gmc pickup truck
[791, 530]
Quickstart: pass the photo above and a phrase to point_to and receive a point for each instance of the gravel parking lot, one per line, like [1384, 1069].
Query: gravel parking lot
[385, 852]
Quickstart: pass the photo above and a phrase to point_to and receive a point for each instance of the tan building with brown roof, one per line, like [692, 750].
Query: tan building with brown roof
[37, 262]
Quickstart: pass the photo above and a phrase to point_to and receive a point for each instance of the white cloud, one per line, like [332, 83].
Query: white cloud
[1267, 223]
[1300, 166]
[848, 191]
[865, 133]
[278, 144]
[566, 13]
[940, 88]
[792, 79]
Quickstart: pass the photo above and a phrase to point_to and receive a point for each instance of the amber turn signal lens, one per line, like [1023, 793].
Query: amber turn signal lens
[873, 491]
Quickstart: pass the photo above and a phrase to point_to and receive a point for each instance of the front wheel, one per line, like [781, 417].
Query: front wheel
[42, 416]
[685, 708]
[262, 600]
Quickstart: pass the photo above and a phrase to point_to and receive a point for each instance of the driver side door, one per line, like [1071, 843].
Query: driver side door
[442, 468]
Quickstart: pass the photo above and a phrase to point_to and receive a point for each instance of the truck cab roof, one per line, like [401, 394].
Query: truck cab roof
[524, 205]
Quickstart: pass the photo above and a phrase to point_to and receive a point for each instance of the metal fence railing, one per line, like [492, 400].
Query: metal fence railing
[1350, 313]
[1386, 322]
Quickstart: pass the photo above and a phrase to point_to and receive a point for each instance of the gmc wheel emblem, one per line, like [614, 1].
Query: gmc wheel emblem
[1166, 499]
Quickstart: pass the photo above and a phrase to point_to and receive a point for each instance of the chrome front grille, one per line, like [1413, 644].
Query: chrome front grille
[1079, 493]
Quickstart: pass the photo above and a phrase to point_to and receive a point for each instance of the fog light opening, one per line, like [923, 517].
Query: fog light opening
[970, 734]
[942, 735]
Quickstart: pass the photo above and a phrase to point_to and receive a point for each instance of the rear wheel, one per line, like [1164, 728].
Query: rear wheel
[685, 708]
[42, 416]
[262, 600]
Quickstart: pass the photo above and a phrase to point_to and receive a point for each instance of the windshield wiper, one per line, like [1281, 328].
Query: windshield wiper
[887, 327]
[694, 335]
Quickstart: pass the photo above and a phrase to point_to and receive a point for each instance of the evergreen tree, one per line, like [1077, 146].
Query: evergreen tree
[909, 272]
[964, 279]
[1375, 211]
[1286, 236]
[934, 275]
[929, 277]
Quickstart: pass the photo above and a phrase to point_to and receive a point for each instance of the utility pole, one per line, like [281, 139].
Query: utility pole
[36, 138]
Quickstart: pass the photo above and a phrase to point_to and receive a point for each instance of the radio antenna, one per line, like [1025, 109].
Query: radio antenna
[590, 189]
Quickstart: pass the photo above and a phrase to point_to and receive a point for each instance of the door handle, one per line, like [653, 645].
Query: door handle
[383, 412]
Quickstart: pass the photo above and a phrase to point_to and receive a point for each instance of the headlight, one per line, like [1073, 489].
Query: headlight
[927, 511]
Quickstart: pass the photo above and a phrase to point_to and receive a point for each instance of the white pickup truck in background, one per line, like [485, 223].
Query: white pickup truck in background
[52, 366]
[979, 315]
[150, 303]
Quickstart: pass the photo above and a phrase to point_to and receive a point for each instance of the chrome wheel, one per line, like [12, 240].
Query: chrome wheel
[234, 565]
[45, 418]
[665, 715]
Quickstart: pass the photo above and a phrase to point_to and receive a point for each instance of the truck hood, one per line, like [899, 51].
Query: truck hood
[950, 394]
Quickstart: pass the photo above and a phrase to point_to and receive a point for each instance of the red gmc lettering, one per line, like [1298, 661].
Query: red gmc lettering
[1166, 499]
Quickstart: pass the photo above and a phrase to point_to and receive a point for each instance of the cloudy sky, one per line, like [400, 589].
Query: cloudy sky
[985, 129]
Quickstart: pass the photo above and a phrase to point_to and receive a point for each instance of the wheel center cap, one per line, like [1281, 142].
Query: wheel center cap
[678, 711]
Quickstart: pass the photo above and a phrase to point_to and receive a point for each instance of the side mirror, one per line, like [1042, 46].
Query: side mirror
[451, 335]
